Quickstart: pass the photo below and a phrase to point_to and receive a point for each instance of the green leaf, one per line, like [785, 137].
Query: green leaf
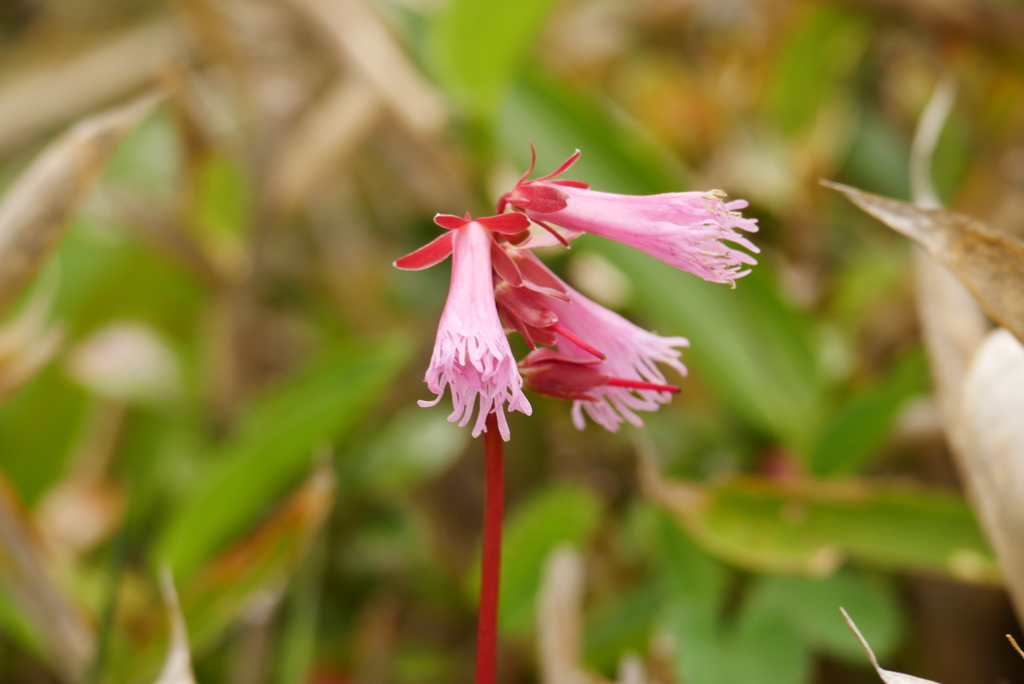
[746, 343]
[768, 650]
[552, 517]
[809, 527]
[823, 53]
[275, 445]
[879, 158]
[762, 646]
[479, 45]
[38, 428]
[16, 627]
[416, 445]
[297, 645]
[813, 606]
[689, 573]
[621, 625]
[859, 428]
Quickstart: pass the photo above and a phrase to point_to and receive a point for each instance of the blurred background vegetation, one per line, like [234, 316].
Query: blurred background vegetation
[216, 367]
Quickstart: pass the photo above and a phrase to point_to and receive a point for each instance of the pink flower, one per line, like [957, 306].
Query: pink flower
[471, 353]
[624, 380]
[684, 229]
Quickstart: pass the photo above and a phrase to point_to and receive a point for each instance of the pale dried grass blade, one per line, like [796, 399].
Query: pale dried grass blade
[323, 139]
[953, 327]
[559, 631]
[366, 44]
[37, 99]
[560, 620]
[68, 637]
[887, 676]
[953, 324]
[993, 449]
[926, 137]
[177, 667]
[632, 670]
[1013, 642]
[47, 195]
[27, 343]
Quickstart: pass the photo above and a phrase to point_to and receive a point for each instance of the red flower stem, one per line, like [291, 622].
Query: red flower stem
[638, 384]
[490, 568]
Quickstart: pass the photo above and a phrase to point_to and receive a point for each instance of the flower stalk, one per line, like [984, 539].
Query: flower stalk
[490, 567]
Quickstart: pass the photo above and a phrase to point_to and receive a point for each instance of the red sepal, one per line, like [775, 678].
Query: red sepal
[542, 356]
[506, 224]
[569, 183]
[533, 163]
[542, 198]
[558, 236]
[450, 222]
[504, 266]
[519, 238]
[540, 280]
[548, 372]
[514, 324]
[524, 305]
[434, 252]
[541, 335]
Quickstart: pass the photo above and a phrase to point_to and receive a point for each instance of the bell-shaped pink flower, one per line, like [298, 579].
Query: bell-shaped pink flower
[471, 355]
[629, 364]
[687, 230]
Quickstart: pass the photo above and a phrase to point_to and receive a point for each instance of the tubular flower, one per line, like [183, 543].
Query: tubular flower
[627, 360]
[471, 354]
[557, 375]
[687, 230]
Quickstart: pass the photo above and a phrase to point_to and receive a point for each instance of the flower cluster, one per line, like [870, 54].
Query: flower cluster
[580, 351]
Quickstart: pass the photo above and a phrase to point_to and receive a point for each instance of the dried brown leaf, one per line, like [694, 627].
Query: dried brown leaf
[42, 95]
[67, 635]
[973, 377]
[888, 676]
[47, 195]
[322, 140]
[989, 263]
[365, 43]
[952, 323]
